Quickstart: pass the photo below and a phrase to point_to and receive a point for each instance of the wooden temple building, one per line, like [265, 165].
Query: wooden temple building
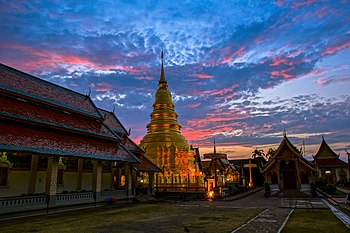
[219, 173]
[166, 147]
[58, 149]
[288, 169]
[329, 165]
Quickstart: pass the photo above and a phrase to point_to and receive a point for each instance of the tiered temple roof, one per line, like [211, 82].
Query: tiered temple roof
[112, 121]
[40, 117]
[284, 151]
[326, 157]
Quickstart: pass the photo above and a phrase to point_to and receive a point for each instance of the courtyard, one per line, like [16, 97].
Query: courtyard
[253, 213]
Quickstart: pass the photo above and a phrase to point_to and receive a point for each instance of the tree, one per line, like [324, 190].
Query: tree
[270, 153]
[258, 154]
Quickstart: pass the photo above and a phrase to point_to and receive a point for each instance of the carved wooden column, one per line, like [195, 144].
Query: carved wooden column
[150, 183]
[51, 181]
[97, 179]
[80, 173]
[279, 176]
[33, 174]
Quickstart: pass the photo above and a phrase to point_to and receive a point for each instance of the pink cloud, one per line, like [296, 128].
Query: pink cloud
[342, 78]
[40, 57]
[149, 78]
[282, 73]
[298, 4]
[203, 76]
[277, 61]
[239, 53]
[193, 105]
[103, 87]
[335, 49]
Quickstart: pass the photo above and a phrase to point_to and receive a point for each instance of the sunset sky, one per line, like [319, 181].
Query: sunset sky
[239, 71]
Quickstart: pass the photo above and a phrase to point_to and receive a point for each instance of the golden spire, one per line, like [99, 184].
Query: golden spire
[162, 80]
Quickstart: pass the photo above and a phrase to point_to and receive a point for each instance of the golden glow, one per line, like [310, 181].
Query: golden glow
[164, 144]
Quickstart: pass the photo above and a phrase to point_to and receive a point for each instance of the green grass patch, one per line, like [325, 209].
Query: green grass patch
[138, 218]
[314, 221]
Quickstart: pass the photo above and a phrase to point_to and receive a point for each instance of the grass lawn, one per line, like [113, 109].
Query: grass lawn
[137, 218]
[309, 221]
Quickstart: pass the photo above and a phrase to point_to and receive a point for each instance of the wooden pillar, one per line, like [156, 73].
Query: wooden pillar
[298, 174]
[33, 174]
[134, 181]
[128, 180]
[150, 183]
[97, 179]
[51, 181]
[279, 176]
[80, 174]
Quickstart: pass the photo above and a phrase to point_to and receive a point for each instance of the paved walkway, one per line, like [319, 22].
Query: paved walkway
[343, 217]
[303, 203]
[269, 221]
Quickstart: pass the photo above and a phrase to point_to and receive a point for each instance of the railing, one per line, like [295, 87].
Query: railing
[178, 187]
[119, 194]
[39, 202]
[75, 199]
[15, 204]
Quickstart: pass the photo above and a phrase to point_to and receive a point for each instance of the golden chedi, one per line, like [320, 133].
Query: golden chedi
[164, 144]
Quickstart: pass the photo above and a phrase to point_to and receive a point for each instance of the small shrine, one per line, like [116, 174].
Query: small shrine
[329, 165]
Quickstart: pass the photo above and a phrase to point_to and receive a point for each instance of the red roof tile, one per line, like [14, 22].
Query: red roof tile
[131, 146]
[20, 137]
[146, 165]
[111, 120]
[14, 108]
[29, 86]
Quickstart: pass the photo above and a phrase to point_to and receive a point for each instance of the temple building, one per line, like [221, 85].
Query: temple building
[288, 169]
[166, 146]
[58, 149]
[218, 171]
[329, 165]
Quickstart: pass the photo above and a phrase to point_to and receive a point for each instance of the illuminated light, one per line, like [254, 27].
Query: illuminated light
[210, 194]
[328, 172]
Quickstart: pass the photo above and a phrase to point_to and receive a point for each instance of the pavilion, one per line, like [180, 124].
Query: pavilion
[58, 149]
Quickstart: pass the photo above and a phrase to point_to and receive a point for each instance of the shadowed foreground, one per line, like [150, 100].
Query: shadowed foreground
[138, 218]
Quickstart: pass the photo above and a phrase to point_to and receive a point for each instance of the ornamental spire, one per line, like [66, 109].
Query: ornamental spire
[162, 79]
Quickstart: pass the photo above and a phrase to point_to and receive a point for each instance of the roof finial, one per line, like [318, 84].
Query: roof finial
[214, 146]
[113, 108]
[322, 137]
[284, 132]
[162, 79]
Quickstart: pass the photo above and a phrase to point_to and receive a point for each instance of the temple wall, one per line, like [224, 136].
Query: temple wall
[69, 182]
[106, 181]
[40, 182]
[17, 184]
[86, 181]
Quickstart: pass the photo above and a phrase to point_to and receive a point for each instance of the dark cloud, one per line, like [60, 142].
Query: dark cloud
[219, 57]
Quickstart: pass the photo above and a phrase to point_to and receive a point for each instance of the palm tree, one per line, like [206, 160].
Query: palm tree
[258, 154]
